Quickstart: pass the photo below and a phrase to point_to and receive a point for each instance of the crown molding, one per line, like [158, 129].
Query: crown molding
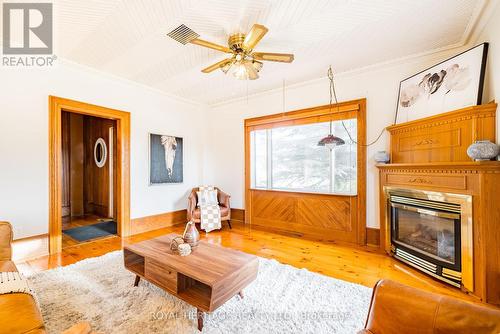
[84, 68]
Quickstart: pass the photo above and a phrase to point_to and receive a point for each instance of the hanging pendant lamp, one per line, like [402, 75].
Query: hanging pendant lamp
[331, 141]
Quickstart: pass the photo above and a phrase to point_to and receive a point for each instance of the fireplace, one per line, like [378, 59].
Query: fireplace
[431, 231]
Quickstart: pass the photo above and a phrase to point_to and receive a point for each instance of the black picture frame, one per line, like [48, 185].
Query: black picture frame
[479, 88]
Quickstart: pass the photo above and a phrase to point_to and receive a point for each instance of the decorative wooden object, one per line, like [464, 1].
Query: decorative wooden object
[458, 175]
[324, 216]
[206, 279]
[56, 106]
[444, 137]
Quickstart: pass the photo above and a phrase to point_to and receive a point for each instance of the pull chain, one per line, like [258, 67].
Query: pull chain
[284, 95]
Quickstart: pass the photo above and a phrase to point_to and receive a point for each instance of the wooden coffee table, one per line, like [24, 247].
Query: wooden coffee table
[206, 279]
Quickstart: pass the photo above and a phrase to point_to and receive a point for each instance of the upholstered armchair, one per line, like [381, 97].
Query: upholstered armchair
[194, 212]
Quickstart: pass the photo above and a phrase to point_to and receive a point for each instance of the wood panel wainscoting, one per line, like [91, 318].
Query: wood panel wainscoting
[56, 107]
[340, 218]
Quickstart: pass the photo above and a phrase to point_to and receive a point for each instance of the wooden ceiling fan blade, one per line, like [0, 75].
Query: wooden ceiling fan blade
[217, 65]
[210, 45]
[267, 56]
[254, 36]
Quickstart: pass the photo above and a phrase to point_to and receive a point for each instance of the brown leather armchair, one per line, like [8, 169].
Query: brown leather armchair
[194, 212]
[396, 308]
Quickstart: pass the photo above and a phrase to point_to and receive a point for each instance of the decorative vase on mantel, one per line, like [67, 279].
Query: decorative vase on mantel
[483, 150]
[382, 157]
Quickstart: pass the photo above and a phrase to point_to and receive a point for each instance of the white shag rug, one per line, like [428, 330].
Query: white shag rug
[283, 299]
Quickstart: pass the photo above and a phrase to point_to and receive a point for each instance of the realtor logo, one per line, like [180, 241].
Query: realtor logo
[27, 28]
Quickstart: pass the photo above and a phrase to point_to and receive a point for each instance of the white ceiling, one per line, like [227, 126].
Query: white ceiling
[127, 38]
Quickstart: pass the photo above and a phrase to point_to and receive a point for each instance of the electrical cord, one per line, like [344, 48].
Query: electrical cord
[333, 94]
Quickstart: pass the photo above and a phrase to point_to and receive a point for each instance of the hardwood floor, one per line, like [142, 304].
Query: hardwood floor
[362, 265]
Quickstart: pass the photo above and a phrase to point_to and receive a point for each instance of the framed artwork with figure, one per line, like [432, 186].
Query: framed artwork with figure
[452, 84]
[166, 159]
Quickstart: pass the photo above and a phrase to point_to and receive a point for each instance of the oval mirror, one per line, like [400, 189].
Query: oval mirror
[100, 152]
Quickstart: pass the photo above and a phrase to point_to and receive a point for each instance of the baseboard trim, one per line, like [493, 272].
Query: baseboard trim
[156, 222]
[373, 236]
[238, 214]
[30, 247]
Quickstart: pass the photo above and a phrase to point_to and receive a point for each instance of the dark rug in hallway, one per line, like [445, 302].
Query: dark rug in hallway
[94, 231]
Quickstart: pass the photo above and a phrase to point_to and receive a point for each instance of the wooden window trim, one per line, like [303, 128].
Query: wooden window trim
[344, 110]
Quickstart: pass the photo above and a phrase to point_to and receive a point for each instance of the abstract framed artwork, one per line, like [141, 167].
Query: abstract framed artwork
[452, 84]
[166, 159]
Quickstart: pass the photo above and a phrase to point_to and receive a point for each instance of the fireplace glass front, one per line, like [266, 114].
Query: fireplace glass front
[427, 230]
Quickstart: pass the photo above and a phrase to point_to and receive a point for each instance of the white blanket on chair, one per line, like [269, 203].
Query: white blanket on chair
[210, 214]
[14, 282]
[210, 218]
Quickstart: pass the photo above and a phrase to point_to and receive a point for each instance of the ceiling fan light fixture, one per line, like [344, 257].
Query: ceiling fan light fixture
[240, 71]
[226, 67]
[243, 63]
[252, 73]
[257, 65]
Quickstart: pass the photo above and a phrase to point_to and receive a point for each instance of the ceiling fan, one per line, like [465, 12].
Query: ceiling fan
[243, 62]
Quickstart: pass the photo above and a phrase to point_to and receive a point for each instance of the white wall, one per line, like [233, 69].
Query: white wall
[491, 34]
[225, 140]
[24, 140]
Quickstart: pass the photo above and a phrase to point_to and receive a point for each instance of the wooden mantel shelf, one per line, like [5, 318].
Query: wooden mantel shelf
[456, 167]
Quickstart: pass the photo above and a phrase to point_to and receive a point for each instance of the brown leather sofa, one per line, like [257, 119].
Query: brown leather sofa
[194, 212]
[19, 312]
[396, 308]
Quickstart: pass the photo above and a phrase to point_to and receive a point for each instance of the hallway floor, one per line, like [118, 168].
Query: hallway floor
[72, 222]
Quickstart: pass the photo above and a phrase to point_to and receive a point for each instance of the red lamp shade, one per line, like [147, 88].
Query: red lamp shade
[331, 141]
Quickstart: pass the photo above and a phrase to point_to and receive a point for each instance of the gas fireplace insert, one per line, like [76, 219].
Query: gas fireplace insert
[426, 230]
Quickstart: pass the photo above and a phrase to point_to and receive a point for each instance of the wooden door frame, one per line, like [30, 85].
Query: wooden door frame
[56, 106]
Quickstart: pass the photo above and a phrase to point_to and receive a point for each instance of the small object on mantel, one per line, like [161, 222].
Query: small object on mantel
[483, 150]
[382, 157]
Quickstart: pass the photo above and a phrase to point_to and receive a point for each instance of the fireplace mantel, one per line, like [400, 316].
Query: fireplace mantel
[480, 180]
[466, 167]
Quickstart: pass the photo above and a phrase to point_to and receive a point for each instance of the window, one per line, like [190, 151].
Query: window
[289, 158]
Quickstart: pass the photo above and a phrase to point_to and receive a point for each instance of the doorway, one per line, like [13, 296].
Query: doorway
[88, 178]
[89, 172]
